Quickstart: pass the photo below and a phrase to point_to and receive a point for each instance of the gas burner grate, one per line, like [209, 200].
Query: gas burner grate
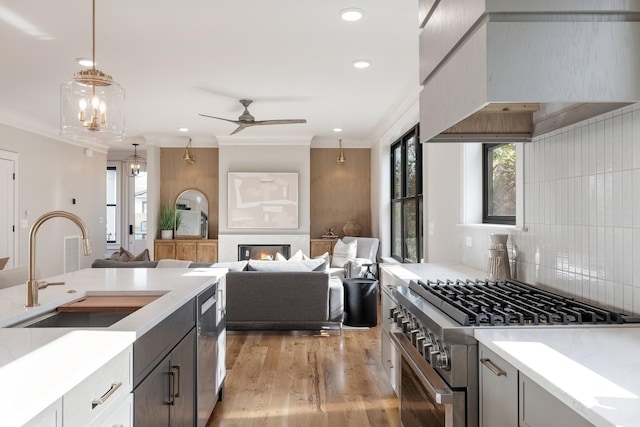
[486, 303]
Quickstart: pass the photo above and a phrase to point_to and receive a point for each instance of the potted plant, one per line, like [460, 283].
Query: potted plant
[170, 220]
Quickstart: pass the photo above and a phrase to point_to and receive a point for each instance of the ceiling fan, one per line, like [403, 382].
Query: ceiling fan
[247, 120]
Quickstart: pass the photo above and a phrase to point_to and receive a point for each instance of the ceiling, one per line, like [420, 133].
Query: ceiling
[176, 59]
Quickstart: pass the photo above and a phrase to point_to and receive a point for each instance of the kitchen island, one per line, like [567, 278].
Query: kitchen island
[39, 365]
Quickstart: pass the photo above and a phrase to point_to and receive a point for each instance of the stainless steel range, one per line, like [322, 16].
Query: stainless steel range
[439, 355]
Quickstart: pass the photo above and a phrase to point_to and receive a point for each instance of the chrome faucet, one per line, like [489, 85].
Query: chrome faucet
[34, 285]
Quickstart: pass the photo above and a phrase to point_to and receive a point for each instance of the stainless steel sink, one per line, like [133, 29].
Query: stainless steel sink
[74, 319]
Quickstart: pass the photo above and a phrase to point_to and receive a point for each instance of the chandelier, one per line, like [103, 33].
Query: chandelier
[135, 164]
[92, 103]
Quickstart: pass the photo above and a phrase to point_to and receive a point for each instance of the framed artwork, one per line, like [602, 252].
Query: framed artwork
[263, 200]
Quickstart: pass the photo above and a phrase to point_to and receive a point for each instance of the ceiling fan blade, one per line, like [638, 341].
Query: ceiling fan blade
[241, 127]
[280, 122]
[220, 118]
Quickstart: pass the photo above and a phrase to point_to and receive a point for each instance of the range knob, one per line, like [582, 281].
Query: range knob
[443, 361]
[405, 325]
[420, 340]
[414, 336]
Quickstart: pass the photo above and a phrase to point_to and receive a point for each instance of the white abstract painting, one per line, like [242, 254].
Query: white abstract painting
[263, 200]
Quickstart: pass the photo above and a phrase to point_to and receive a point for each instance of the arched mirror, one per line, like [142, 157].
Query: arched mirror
[193, 208]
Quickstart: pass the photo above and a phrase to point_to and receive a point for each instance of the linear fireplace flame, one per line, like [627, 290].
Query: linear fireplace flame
[262, 252]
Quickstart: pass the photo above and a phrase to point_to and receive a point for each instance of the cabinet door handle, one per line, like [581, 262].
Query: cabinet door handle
[220, 299]
[493, 367]
[172, 386]
[177, 389]
[108, 394]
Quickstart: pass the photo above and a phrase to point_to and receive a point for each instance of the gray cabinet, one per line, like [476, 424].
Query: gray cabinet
[539, 408]
[166, 397]
[390, 356]
[509, 398]
[498, 383]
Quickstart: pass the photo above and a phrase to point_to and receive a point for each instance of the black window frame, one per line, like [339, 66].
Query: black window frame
[405, 199]
[487, 178]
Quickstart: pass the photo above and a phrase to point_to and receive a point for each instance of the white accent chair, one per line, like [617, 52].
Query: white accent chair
[366, 254]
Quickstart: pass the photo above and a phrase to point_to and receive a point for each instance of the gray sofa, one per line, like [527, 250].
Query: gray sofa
[283, 295]
[271, 294]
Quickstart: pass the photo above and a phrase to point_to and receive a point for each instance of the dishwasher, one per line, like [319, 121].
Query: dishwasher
[207, 353]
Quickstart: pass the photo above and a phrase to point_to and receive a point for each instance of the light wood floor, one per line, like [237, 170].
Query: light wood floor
[306, 379]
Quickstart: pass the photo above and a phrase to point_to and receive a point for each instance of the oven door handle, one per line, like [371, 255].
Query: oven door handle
[429, 378]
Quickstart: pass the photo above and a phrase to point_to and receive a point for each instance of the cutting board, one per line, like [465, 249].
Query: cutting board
[109, 303]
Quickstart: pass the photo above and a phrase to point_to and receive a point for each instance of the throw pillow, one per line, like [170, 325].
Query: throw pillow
[344, 252]
[142, 256]
[297, 256]
[173, 263]
[125, 255]
[325, 257]
[280, 257]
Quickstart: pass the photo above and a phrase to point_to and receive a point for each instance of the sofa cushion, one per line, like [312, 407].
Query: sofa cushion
[109, 263]
[173, 263]
[310, 265]
[343, 253]
[126, 256]
[298, 256]
[231, 265]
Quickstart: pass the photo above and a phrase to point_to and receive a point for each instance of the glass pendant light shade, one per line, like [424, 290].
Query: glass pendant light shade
[92, 107]
[135, 164]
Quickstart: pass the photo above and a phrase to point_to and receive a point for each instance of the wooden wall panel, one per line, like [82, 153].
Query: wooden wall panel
[176, 175]
[340, 192]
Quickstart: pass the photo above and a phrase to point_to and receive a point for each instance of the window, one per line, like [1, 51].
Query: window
[406, 198]
[112, 205]
[499, 183]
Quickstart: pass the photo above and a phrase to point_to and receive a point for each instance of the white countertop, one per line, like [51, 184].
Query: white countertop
[424, 271]
[595, 371]
[38, 365]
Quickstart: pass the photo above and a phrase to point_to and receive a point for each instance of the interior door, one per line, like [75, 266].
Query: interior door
[137, 208]
[7, 212]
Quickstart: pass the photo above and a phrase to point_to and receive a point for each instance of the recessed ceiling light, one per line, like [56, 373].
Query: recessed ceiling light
[85, 62]
[337, 129]
[351, 14]
[183, 129]
[361, 63]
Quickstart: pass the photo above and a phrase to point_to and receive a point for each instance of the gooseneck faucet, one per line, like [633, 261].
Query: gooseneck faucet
[34, 285]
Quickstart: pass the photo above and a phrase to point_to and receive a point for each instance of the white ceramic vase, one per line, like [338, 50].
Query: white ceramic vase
[166, 234]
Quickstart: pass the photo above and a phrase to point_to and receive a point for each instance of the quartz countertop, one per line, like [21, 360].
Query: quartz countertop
[595, 371]
[432, 271]
[39, 365]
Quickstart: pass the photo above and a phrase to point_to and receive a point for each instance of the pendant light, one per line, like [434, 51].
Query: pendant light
[135, 164]
[341, 160]
[92, 103]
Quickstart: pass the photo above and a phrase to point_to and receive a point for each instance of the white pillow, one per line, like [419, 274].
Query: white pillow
[297, 256]
[344, 252]
[280, 257]
[173, 263]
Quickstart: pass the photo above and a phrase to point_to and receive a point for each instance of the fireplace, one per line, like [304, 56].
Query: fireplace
[264, 252]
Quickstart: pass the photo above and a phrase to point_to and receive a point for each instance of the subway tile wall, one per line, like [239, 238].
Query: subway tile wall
[582, 213]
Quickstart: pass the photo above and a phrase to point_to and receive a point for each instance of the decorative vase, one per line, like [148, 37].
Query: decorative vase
[166, 234]
[498, 267]
[352, 228]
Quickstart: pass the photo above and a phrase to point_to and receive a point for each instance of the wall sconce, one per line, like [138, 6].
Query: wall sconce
[188, 157]
[341, 160]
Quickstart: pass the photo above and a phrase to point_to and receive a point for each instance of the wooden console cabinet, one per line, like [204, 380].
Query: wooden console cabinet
[204, 250]
[320, 246]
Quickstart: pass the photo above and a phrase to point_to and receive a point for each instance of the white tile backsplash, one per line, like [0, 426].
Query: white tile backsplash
[582, 213]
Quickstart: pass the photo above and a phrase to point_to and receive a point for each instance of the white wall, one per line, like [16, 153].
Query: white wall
[238, 154]
[52, 173]
[582, 212]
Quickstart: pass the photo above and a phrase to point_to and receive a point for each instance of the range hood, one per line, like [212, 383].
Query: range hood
[512, 70]
[508, 122]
